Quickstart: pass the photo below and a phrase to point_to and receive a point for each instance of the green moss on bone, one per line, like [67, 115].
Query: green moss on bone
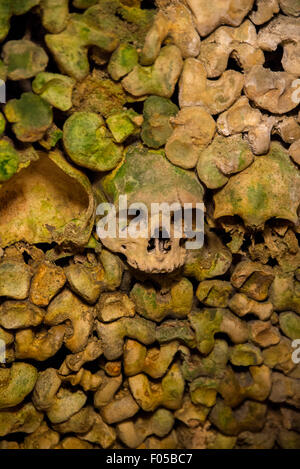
[20, 315]
[2, 124]
[3, 71]
[70, 47]
[135, 175]
[206, 325]
[156, 128]
[113, 334]
[101, 25]
[167, 394]
[245, 355]
[88, 142]
[213, 365]
[154, 361]
[5, 15]
[24, 418]
[285, 293]
[9, 160]
[122, 61]
[193, 130]
[203, 391]
[176, 330]
[16, 383]
[30, 115]
[51, 137]
[134, 433]
[223, 157]
[24, 59]
[249, 417]
[54, 88]
[8, 8]
[54, 14]
[121, 125]
[155, 306]
[56, 199]
[290, 324]
[212, 260]
[214, 292]
[158, 79]
[98, 93]
[128, 22]
[14, 279]
[210, 321]
[269, 188]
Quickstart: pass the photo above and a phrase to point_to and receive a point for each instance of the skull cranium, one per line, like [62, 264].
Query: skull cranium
[147, 177]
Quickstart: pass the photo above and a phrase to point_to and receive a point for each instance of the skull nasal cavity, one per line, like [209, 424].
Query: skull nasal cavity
[160, 241]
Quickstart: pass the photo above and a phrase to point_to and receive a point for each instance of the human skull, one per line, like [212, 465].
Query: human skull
[268, 188]
[147, 177]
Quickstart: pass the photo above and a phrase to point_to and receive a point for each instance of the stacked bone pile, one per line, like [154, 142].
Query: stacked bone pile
[128, 343]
